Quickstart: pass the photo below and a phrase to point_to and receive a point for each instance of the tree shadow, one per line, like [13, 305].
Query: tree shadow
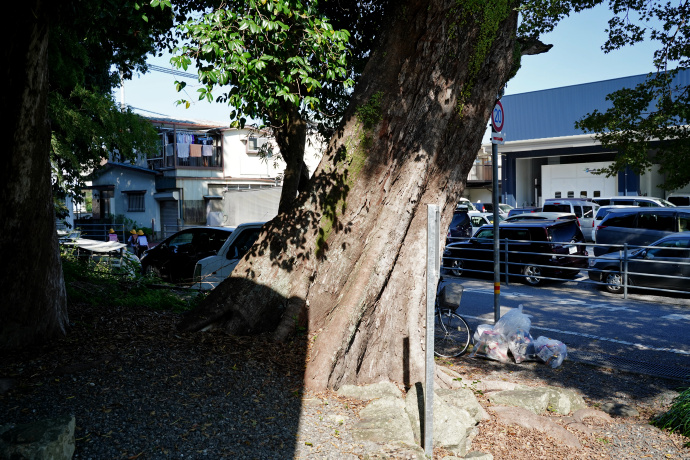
[138, 388]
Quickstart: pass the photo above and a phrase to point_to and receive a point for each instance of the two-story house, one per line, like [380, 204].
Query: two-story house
[202, 174]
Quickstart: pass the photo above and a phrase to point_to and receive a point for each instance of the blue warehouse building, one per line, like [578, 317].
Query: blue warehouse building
[545, 156]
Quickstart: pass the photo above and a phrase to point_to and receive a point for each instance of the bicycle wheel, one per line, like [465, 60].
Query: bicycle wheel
[451, 334]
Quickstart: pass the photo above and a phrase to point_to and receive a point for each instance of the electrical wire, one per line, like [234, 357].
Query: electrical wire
[177, 73]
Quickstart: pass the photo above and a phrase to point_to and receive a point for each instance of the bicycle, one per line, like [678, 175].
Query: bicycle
[451, 332]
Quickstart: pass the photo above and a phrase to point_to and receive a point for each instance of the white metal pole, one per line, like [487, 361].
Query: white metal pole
[432, 275]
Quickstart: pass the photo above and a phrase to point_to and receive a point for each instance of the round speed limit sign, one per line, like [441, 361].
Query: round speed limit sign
[497, 117]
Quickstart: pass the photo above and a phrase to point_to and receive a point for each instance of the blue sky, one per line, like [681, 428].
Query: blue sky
[575, 58]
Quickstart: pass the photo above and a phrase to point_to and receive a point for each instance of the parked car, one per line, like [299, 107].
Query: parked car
[602, 212]
[665, 265]
[489, 207]
[639, 226]
[211, 271]
[583, 209]
[174, 258]
[542, 216]
[516, 211]
[465, 203]
[460, 225]
[505, 208]
[536, 249]
[479, 219]
[641, 201]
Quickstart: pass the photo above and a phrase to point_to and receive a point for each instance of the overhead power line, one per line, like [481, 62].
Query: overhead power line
[177, 73]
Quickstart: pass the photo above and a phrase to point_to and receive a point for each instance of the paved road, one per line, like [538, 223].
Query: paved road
[645, 331]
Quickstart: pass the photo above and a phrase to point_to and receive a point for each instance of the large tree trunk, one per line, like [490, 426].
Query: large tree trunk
[32, 291]
[291, 137]
[349, 259]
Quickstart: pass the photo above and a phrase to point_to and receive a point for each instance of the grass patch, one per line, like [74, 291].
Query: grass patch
[98, 284]
[677, 418]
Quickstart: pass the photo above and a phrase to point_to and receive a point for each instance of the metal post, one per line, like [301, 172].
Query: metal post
[506, 262]
[625, 270]
[432, 274]
[497, 269]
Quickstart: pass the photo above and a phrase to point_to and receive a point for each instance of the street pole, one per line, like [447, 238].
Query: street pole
[497, 120]
[497, 248]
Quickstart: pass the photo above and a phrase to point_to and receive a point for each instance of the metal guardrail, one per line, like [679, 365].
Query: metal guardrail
[624, 250]
[100, 232]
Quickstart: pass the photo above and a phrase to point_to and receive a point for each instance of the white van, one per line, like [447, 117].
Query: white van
[641, 201]
[211, 271]
[584, 210]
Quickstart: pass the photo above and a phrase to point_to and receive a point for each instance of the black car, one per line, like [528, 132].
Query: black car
[460, 226]
[536, 249]
[175, 257]
[664, 265]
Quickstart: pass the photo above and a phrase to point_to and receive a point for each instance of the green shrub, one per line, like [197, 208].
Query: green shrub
[677, 418]
[98, 284]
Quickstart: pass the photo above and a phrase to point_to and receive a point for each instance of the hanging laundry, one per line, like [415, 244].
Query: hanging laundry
[207, 150]
[183, 150]
[195, 150]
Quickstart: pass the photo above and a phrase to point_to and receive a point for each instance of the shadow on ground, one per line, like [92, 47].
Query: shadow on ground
[139, 388]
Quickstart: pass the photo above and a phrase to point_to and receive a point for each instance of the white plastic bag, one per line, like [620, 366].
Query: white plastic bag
[480, 329]
[521, 346]
[513, 321]
[552, 352]
[492, 345]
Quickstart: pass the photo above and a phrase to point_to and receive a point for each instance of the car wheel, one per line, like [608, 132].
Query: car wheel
[614, 282]
[532, 275]
[152, 271]
[456, 268]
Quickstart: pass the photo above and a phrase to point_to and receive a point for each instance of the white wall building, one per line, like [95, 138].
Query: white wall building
[203, 174]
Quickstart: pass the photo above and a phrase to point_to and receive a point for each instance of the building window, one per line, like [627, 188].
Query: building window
[135, 202]
[596, 194]
[253, 144]
[571, 194]
[557, 195]
[583, 194]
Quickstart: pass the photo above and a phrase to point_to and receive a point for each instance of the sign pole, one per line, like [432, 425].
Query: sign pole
[497, 120]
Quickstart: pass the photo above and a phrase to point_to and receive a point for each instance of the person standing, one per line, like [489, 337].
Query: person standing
[112, 236]
[132, 241]
[142, 243]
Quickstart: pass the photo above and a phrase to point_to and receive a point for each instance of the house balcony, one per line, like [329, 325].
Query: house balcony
[173, 157]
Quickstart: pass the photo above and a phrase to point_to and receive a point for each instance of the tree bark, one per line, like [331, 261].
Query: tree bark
[348, 260]
[291, 137]
[32, 292]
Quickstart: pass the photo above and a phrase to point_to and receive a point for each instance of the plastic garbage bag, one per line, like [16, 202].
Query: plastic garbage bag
[492, 345]
[480, 329]
[552, 352]
[513, 321]
[521, 346]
